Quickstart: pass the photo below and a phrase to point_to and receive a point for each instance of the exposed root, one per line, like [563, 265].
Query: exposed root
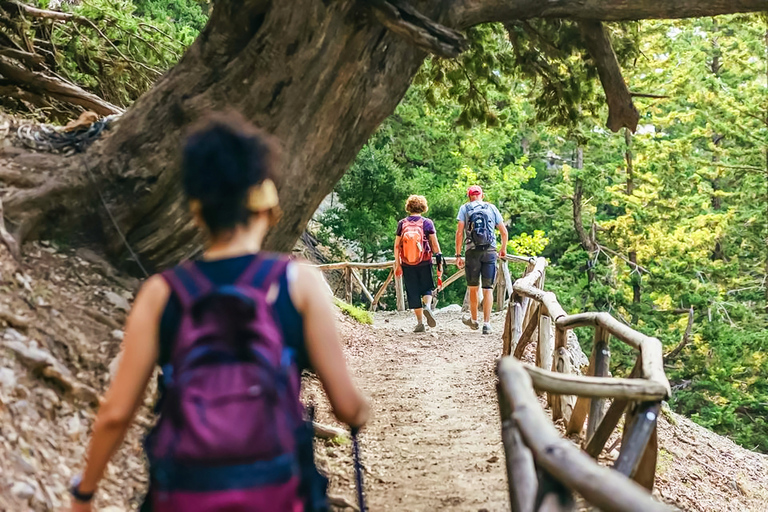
[44, 363]
[13, 319]
[8, 240]
[28, 208]
[102, 319]
[19, 179]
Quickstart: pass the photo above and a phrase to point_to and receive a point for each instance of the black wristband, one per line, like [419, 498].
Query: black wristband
[74, 490]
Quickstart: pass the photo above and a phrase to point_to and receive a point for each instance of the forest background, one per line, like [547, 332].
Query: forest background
[666, 228]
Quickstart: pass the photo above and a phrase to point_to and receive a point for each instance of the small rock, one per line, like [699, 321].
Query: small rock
[49, 398]
[22, 490]
[74, 427]
[12, 334]
[118, 334]
[23, 464]
[113, 365]
[7, 379]
[493, 459]
[24, 281]
[118, 301]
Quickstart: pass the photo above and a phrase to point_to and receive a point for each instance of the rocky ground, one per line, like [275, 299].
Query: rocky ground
[433, 443]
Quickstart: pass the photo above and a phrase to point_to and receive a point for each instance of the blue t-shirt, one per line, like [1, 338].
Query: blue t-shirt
[463, 216]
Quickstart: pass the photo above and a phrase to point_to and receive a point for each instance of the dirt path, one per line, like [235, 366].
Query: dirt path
[434, 441]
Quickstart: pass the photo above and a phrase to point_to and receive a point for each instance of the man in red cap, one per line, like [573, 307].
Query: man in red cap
[479, 220]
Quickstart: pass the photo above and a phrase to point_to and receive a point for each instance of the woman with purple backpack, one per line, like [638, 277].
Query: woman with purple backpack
[231, 331]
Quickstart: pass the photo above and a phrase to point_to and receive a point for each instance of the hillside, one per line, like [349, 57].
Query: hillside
[433, 443]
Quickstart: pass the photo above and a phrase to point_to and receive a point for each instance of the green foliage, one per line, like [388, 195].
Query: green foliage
[361, 315]
[524, 120]
[126, 45]
[529, 245]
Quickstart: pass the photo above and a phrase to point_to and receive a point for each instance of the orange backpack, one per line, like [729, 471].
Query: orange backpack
[412, 242]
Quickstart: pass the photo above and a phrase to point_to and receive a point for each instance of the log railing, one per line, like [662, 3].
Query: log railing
[544, 469]
[351, 276]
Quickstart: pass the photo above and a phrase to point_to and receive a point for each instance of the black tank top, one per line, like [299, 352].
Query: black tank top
[225, 272]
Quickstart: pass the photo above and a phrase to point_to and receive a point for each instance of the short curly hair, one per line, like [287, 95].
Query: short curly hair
[416, 204]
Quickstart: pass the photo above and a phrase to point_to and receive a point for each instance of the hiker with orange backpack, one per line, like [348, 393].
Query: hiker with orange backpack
[415, 243]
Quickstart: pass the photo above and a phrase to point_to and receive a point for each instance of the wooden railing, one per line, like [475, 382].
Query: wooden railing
[352, 276]
[544, 469]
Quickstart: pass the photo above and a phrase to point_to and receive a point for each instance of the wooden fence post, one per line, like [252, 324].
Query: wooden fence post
[399, 293]
[377, 297]
[601, 353]
[521, 471]
[561, 341]
[546, 347]
[348, 284]
[517, 325]
[501, 284]
[639, 430]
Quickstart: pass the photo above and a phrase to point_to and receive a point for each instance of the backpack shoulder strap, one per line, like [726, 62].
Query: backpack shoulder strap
[187, 282]
[264, 270]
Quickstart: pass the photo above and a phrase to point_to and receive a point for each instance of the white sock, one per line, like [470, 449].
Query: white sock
[486, 324]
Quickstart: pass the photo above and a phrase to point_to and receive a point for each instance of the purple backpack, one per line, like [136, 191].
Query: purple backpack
[225, 439]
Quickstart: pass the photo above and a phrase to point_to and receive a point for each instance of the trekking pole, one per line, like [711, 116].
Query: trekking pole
[358, 469]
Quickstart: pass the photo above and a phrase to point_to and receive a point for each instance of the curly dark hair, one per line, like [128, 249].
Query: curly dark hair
[223, 156]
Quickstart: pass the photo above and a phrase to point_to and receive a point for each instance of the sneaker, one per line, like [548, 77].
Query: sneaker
[486, 328]
[419, 328]
[472, 324]
[430, 317]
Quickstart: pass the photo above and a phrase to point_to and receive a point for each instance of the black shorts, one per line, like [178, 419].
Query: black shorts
[418, 282]
[481, 262]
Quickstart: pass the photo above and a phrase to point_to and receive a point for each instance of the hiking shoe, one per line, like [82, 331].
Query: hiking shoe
[419, 328]
[472, 324]
[486, 328]
[430, 317]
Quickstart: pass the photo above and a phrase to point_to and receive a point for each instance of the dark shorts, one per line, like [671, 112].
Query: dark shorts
[418, 282]
[481, 262]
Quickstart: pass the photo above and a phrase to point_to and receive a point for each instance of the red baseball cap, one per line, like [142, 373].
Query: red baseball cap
[474, 190]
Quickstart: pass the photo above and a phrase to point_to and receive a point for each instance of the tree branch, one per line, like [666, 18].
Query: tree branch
[587, 242]
[686, 336]
[408, 23]
[56, 88]
[468, 13]
[621, 111]
[646, 95]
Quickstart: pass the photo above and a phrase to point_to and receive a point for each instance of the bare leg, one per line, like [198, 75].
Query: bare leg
[473, 302]
[419, 317]
[487, 304]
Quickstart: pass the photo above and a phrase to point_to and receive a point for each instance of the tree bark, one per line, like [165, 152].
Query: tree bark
[621, 111]
[319, 77]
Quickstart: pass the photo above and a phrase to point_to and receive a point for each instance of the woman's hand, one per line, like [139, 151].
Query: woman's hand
[398, 270]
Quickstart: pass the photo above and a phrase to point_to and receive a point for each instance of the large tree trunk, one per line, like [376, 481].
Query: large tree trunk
[320, 75]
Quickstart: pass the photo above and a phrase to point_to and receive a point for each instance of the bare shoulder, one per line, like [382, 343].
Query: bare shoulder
[153, 293]
[306, 272]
